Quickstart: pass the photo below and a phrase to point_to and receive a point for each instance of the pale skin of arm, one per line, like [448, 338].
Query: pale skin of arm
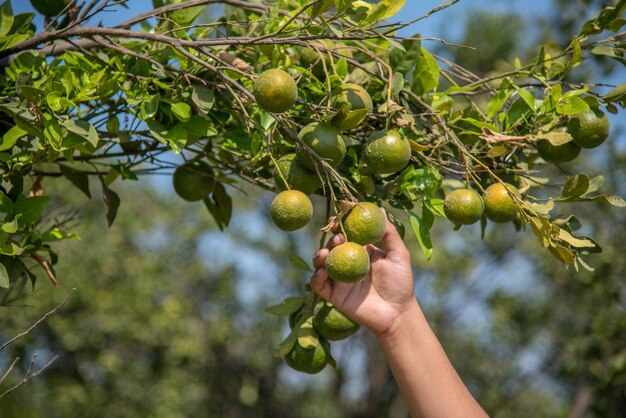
[384, 303]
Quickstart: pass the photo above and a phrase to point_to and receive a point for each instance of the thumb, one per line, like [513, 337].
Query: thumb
[392, 243]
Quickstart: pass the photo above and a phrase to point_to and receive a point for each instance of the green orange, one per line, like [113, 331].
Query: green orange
[365, 223]
[589, 128]
[325, 140]
[291, 210]
[275, 91]
[557, 153]
[311, 359]
[332, 324]
[348, 262]
[463, 207]
[297, 176]
[193, 180]
[357, 102]
[500, 207]
[387, 152]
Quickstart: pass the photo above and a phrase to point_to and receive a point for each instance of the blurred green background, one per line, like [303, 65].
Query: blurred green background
[167, 319]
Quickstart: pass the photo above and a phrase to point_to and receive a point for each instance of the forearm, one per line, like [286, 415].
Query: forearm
[427, 379]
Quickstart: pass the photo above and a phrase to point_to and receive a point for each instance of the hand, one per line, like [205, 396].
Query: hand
[383, 295]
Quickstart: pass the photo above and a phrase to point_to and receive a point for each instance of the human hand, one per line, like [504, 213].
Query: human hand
[378, 300]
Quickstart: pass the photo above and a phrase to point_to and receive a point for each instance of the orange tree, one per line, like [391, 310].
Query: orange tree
[328, 86]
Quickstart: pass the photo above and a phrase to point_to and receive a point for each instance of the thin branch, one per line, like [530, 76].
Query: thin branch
[29, 375]
[43, 318]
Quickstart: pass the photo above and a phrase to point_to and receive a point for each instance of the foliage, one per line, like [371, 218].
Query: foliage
[113, 103]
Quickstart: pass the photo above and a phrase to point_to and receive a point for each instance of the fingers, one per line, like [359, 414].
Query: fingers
[393, 244]
[319, 258]
[321, 285]
[336, 228]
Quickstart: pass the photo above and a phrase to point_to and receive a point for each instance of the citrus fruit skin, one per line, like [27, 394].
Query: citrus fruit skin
[365, 223]
[558, 153]
[387, 152]
[589, 128]
[348, 262]
[356, 98]
[499, 205]
[275, 91]
[50, 7]
[332, 324]
[463, 207]
[309, 360]
[298, 177]
[291, 210]
[325, 140]
[193, 181]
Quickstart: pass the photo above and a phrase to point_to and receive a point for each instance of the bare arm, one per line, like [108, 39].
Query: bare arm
[384, 303]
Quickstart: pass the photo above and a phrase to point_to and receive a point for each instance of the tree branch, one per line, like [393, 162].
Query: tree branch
[43, 318]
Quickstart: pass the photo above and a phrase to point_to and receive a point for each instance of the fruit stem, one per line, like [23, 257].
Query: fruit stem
[280, 174]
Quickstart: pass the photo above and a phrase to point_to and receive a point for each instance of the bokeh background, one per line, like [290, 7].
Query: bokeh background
[167, 319]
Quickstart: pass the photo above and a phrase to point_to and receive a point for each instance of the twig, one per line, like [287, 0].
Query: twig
[30, 375]
[43, 318]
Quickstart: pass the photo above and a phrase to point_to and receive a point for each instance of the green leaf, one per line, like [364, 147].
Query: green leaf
[150, 106]
[426, 73]
[574, 241]
[10, 227]
[527, 96]
[78, 178]
[6, 204]
[299, 263]
[421, 228]
[200, 126]
[556, 138]
[182, 111]
[30, 209]
[6, 18]
[202, 97]
[575, 186]
[177, 138]
[10, 138]
[285, 347]
[576, 54]
[57, 234]
[223, 202]
[83, 129]
[383, 10]
[618, 95]
[403, 61]
[571, 105]
[287, 306]
[4, 275]
[496, 104]
[562, 253]
[112, 202]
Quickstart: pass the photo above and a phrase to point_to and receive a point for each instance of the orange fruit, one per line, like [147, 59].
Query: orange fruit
[387, 152]
[297, 176]
[557, 153]
[348, 262]
[365, 223]
[193, 180]
[291, 210]
[499, 205]
[275, 91]
[463, 207]
[325, 140]
[589, 128]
